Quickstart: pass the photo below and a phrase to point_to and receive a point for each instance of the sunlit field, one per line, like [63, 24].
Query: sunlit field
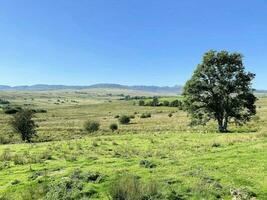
[182, 162]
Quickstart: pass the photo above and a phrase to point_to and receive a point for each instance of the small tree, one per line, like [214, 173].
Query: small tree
[91, 126]
[220, 89]
[175, 103]
[155, 101]
[23, 124]
[166, 103]
[113, 127]
[124, 119]
[141, 102]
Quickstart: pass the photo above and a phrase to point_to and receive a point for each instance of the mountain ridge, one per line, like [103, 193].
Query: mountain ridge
[177, 89]
[47, 87]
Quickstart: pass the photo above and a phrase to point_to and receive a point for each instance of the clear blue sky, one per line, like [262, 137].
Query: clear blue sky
[135, 42]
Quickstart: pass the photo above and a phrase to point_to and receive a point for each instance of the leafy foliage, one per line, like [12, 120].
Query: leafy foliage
[113, 126]
[124, 119]
[220, 89]
[141, 103]
[11, 110]
[23, 124]
[145, 115]
[91, 126]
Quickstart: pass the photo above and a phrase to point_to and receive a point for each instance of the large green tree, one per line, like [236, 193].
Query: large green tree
[220, 89]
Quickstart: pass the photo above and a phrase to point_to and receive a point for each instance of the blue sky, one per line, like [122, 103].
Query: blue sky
[134, 42]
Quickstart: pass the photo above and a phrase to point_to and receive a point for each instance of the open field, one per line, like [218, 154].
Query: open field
[195, 162]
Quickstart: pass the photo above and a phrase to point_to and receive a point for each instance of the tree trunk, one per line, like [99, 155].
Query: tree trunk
[225, 124]
[222, 125]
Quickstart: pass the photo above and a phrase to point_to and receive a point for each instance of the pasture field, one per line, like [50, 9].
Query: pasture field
[182, 162]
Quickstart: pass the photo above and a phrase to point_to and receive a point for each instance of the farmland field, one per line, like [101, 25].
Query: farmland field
[194, 162]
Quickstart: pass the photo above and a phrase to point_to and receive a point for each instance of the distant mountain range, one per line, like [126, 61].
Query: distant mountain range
[44, 87]
[154, 89]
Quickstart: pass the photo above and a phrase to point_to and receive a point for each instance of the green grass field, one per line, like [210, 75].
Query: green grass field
[195, 162]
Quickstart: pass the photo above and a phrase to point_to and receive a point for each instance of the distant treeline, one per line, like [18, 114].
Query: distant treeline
[13, 109]
[153, 101]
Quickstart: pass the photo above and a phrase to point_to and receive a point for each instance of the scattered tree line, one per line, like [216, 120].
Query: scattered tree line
[128, 97]
[10, 110]
[155, 102]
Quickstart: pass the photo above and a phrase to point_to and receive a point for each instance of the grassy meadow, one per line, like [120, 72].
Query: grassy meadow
[182, 162]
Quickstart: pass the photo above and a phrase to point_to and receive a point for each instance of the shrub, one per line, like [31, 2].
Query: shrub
[11, 110]
[124, 119]
[39, 110]
[170, 114]
[113, 127]
[23, 124]
[132, 116]
[145, 115]
[117, 116]
[91, 126]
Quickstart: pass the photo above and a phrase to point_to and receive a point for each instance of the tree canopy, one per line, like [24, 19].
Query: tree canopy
[220, 89]
[23, 124]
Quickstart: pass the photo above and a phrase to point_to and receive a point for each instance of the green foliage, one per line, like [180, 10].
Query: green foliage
[145, 115]
[124, 119]
[113, 126]
[91, 126]
[175, 103]
[166, 103]
[141, 103]
[220, 89]
[11, 110]
[23, 124]
[154, 102]
[39, 111]
[3, 101]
